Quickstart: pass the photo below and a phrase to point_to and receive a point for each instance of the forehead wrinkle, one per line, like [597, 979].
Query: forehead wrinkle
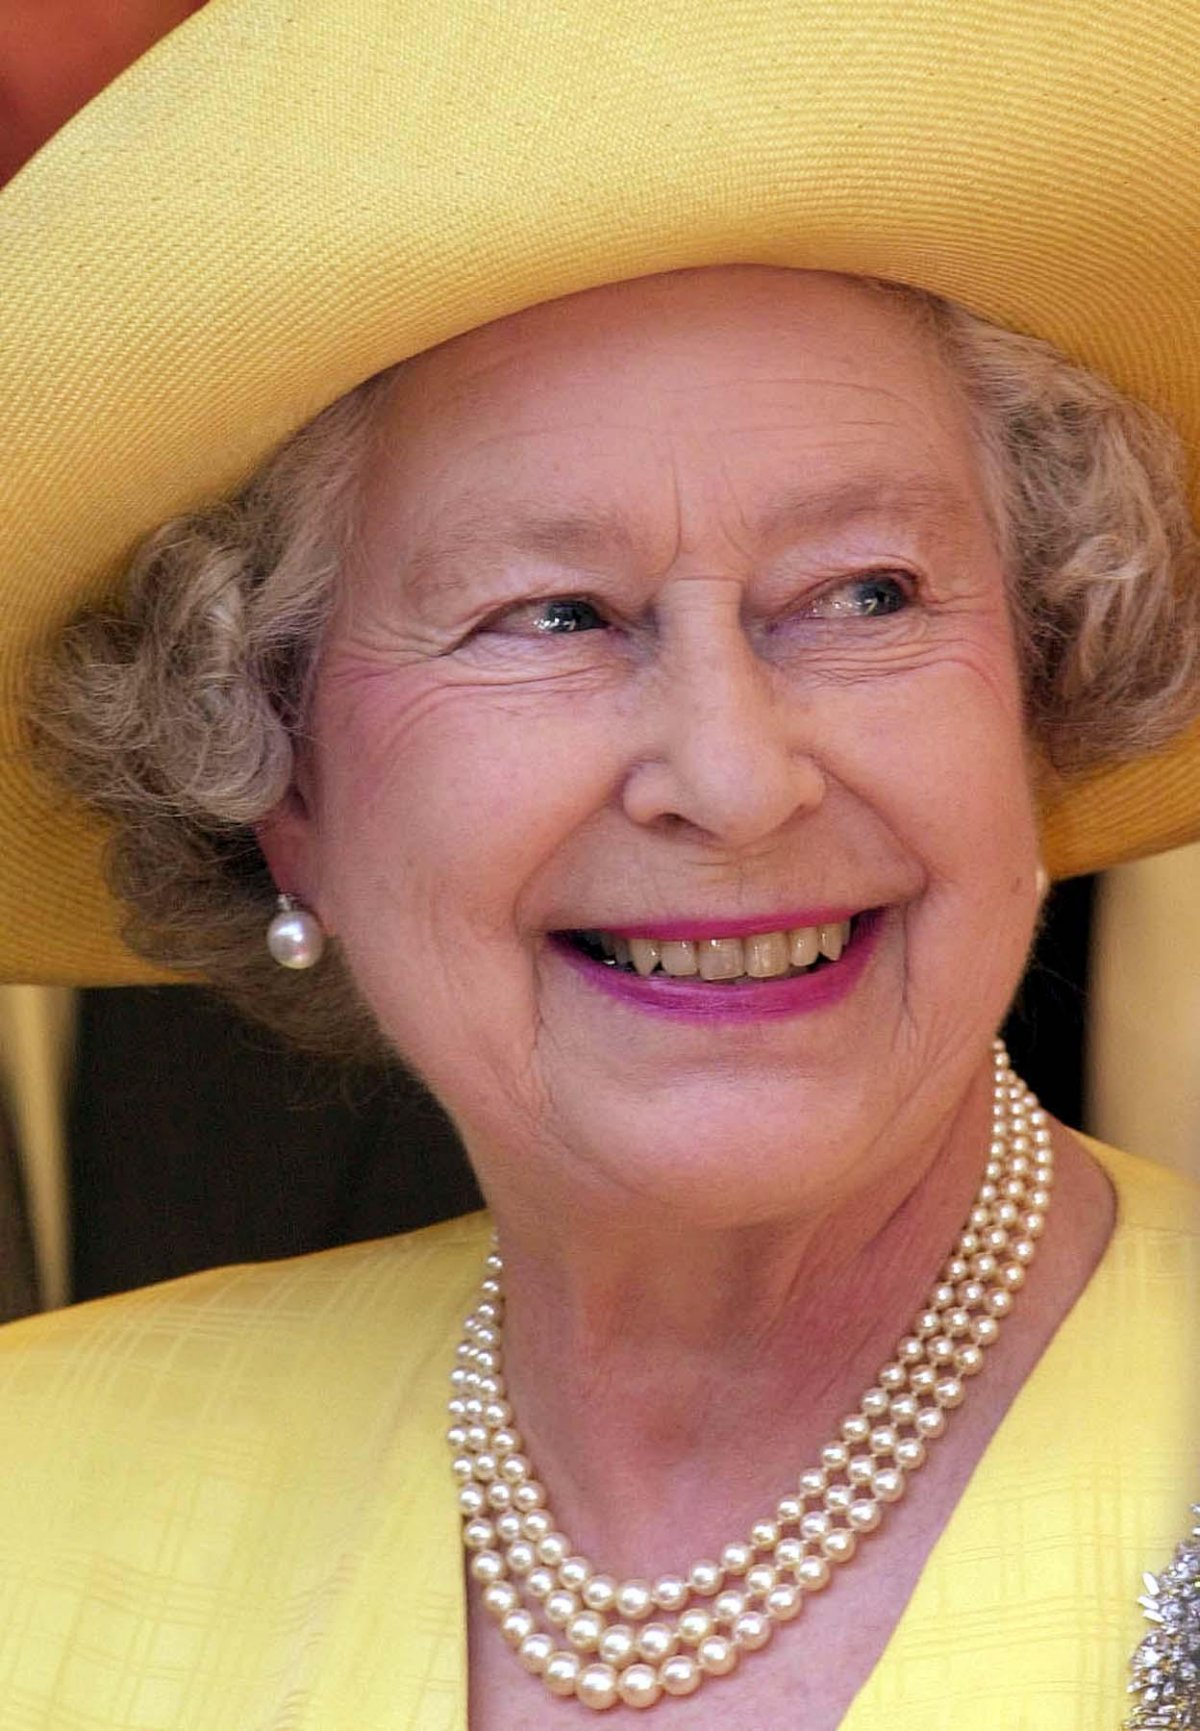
[443, 561]
[912, 500]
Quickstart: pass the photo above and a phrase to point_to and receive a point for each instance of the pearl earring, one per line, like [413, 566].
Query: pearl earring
[294, 937]
[1042, 879]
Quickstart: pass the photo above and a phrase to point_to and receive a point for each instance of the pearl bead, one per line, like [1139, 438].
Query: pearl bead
[788, 1510]
[599, 1594]
[728, 1605]
[784, 1602]
[931, 1422]
[968, 1360]
[561, 1673]
[760, 1579]
[521, 1556]
[883, 1439]
[508, 1526]
[948, 1391]
[596, 1686]
[478, 1534]
[752, 1630]
[892, 1378]
[864, 1516]
[639, 1686]
[815, 1525]
[717, 1655]
[680, 1675]
[499, 1597]
[656, 1641]
[553, 1549]
[910, 1453]
[764, 1534]
[540, 1582]
[528, 1496]
[294, 936]
[535, 1652]
[705, 1577]
[737, 1558]
[788, 1553]
[560, 1606]
[471, 1500]
[635, 1599]
[695, 1625]
[856, 1428]
[888, 1485]
[499, 1496]
[874, 1404]
[617, 1645]
[574, 1573]
[861, 1468]
[584, 1630]
[536, 1524]
[839, 1545]
[488, 1566]
[813, 1574]
[670, 1592]
[517, 1625]
[834, 1457]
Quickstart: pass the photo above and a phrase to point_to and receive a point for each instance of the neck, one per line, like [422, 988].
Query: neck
[673, 1379]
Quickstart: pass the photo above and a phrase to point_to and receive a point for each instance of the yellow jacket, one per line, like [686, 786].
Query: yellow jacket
[225, 1502]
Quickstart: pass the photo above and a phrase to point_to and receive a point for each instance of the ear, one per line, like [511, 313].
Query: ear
[288, 840]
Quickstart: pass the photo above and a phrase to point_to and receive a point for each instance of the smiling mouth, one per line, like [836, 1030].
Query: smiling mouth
[779, 955]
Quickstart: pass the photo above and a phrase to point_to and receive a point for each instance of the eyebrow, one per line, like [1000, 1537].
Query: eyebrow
[592, 533]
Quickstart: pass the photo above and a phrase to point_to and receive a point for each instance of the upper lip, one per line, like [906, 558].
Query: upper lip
[673, 927]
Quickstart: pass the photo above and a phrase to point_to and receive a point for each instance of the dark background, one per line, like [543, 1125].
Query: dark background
[197, 1139]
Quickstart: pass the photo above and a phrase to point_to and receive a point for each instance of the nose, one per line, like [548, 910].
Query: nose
[728, 748]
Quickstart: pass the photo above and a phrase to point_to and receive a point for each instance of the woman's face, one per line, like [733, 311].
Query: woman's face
[679, 614]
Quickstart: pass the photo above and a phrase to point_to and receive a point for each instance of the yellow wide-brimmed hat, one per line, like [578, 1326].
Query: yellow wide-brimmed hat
[287, 195]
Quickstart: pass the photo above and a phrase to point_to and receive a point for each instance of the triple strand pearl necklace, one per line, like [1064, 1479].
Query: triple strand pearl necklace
[606, 1641]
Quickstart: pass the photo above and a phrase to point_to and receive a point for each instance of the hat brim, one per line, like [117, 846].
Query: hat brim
[283, 198]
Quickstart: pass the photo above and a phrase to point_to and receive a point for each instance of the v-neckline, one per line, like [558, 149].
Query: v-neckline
[1001, 1475]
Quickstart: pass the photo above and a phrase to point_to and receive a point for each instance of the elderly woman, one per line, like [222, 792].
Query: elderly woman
[642, 705]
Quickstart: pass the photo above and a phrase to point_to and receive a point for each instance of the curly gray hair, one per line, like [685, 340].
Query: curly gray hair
[178, 714]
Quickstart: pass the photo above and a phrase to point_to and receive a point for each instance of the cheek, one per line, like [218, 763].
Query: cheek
[434, 781]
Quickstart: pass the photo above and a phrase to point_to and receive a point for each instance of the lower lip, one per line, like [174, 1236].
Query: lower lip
[695, 1000]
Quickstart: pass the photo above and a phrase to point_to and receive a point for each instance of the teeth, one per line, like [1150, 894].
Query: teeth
[832, 940]
[644, 953]
[763, 956]
[721, 958]
[804, 946]
[767, 955]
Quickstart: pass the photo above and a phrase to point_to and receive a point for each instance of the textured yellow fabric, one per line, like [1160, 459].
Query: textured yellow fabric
[287, 195]
[225, 1504]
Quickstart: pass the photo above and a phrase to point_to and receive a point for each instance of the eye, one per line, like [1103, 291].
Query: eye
[869, 597]
[553, 617]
